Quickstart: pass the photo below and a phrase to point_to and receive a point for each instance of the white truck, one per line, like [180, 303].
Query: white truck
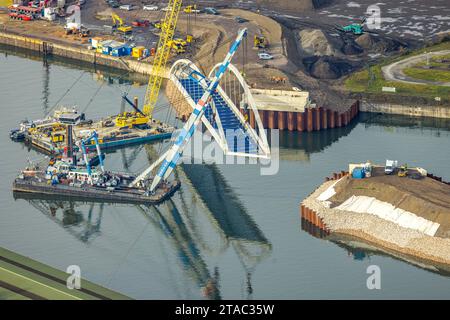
[390, 166]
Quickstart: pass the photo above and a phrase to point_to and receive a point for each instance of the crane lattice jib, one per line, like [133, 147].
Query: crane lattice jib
[168, 26]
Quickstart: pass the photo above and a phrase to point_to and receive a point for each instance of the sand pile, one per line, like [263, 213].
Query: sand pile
[314, 42]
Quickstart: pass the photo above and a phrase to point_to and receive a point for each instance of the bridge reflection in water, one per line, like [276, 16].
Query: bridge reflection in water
[197, 223]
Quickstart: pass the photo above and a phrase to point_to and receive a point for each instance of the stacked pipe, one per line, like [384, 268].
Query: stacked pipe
[312, 119]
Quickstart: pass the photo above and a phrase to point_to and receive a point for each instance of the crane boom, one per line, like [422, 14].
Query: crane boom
[168, 26]
[170, 158]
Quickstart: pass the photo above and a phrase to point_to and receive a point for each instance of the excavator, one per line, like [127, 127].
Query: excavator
[260, 42]
[119, 25]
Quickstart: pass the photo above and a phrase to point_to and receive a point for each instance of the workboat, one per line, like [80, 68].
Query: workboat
[81, 182]
[50, 134]
[64, 176]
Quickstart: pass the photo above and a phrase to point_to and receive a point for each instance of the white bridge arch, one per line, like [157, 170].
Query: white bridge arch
[223, 117]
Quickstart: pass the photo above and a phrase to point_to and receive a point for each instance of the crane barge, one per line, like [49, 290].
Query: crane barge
[71, 180]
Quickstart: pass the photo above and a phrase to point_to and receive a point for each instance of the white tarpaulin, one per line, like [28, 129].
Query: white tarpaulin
[387, 211]
[327, 194]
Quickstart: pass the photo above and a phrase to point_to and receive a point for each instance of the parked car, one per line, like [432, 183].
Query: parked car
[113, 4]
[127, 7]
[240, 19]
[265, 56]
[211, 10]
[150, 8]
[168, 8]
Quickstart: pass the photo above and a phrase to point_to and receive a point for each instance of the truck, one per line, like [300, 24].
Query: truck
[390, 166]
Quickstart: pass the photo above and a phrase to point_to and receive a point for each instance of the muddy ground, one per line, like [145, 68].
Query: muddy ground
[308, 50]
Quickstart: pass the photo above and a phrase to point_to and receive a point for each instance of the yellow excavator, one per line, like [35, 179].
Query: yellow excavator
[119, 25]
[260, 42]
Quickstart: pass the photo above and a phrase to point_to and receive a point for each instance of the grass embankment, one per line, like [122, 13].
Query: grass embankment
[371, 80]
[437, 68]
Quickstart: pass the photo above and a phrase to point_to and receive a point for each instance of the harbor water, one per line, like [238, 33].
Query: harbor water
[230, 232]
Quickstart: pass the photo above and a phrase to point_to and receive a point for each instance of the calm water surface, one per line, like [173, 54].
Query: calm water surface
[230, 232]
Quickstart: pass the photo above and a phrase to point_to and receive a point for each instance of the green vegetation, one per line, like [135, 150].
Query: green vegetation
[371, 79]
[428, 74]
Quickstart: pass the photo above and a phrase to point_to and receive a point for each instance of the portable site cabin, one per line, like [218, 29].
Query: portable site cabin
[103, 46]
[95, 42]
[119, 50]
[138, 52]
[109, 45]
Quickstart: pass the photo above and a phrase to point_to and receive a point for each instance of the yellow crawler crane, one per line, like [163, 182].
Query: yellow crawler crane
[168, 26]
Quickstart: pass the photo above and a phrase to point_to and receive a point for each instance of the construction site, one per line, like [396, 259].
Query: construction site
[371, 202]
[298, 87]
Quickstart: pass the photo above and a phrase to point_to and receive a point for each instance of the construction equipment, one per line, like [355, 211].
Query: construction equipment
[169, 159]
[119, 25]
[76, 29]
[178, 45]
[354, 28]
[157, 25]
[191, 9]
[403, 170]
[93, 138]
[131, 119]
[162, 56]
[259, 42]
[140, 23]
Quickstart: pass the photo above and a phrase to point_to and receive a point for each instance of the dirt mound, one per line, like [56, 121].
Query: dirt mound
[351, 48]
[426, 198]
[373, 43]
[327, 67]
[314, 42]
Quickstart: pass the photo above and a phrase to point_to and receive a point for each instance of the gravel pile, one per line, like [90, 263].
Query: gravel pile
[380, 232]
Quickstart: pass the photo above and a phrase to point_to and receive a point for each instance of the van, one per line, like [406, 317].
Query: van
[127, 7]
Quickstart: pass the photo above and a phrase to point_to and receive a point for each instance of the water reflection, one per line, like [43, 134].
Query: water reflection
[84, 226]
[295, 146]
[298, 146]
[99, 73]
[359, 250]
[198, 223]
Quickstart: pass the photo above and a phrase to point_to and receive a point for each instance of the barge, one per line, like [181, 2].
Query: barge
[64, 180]
[50, 134]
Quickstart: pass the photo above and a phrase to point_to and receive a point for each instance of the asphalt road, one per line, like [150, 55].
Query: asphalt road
[394, 71]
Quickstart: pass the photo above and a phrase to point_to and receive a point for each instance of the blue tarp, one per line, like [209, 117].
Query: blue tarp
[358, 173]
